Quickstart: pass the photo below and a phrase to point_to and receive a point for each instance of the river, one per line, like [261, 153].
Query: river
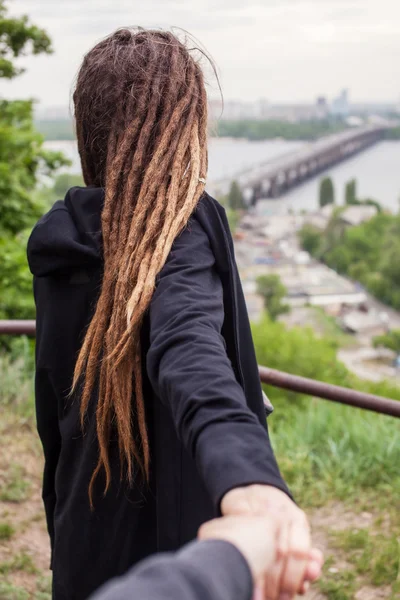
[376, 170]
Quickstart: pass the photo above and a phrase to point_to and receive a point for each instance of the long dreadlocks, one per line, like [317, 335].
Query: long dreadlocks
[141, 120]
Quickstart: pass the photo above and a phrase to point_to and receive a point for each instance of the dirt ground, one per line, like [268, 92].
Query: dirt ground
[24, 556]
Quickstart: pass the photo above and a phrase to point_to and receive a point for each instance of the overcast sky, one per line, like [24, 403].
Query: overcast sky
[281, 50]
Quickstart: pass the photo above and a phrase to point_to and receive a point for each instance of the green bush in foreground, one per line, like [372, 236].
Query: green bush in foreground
[389, 340]
[326, 450]
[22, 160]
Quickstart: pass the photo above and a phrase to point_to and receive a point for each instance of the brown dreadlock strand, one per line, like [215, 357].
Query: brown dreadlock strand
[141, 120]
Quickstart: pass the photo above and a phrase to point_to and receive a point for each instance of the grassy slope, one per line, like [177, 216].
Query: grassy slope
[341, 463]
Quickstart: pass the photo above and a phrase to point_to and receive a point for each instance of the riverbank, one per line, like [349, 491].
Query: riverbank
[266, 130]
[252, 130]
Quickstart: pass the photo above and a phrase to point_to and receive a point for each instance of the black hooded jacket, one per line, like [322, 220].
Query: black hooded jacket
[205, 412]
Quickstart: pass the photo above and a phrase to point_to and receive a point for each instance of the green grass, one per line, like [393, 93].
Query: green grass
[327, 452]
[330, 451]
[20, 562]
[43, 589]
[331, 329]
[16, 389]
[8, 591]
[15, 488]
[375, 556]
[337, 584]
[6, 531]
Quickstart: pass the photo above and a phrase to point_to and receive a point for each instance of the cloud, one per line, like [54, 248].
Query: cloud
[279, 49]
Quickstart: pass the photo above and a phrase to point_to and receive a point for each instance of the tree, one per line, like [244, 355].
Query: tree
[273, 291]
[372, 202]
[296, 350]
[235, 197]
[326, 192]
[367, 253]
[310, 239]
[22, 158]
[352, 200]
[64, 182]
[389, 340]
[17, 38]
[351, 192]
[233, 219]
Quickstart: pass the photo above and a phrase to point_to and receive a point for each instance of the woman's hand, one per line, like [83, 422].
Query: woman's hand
[296, 563]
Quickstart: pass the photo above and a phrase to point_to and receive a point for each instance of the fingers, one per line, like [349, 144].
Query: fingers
[314, 565]
[273, 575]
[299, 546]
[295, 564]
[304, 588]
[252, 536]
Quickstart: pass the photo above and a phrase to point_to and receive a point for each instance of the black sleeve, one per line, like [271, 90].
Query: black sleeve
[191, 373]
[47, 425]
[212, 570]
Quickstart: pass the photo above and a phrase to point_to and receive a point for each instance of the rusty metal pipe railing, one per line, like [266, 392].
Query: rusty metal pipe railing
[327, 391]
[18, 328]
[278, 379]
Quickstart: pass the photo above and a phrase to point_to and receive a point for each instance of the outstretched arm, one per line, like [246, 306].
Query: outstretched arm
[210, 570]
[191, 373]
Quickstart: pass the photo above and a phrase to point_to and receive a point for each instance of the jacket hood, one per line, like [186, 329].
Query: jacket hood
[69, 235]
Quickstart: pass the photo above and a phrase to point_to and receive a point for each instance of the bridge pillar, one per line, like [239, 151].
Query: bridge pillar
[274, 188]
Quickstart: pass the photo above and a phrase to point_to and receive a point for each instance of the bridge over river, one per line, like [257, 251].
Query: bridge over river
[276, 176]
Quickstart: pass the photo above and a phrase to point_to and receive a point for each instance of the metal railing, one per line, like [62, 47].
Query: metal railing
[327, 391]
[279, 379]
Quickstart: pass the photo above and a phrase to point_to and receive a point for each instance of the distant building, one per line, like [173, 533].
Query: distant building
[263, 110]
[357, 322]
[322, 108]
[353, 121]
[340, 105]
[365, 109]
[355, 215]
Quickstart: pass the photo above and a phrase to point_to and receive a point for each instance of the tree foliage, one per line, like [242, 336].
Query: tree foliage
[253, 129]
[368, 253]
[56, 129]
[389, 340]
[351, 198]
[64, 182]
[351, 192]
[235, 197]
[273, 292]
[326, 192]
[310, 239]
[22, 161]
[18, 37]
[299, 351]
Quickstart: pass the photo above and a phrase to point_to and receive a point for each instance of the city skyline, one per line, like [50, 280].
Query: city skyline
[290, 51]
[318, 108]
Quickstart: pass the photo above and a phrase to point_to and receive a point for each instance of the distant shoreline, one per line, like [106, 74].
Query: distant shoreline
[250, 130]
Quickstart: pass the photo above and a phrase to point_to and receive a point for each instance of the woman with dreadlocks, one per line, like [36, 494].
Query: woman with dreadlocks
[149, 405]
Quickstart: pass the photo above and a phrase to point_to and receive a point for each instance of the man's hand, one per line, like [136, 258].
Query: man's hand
[295, 563]
[252, 536]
